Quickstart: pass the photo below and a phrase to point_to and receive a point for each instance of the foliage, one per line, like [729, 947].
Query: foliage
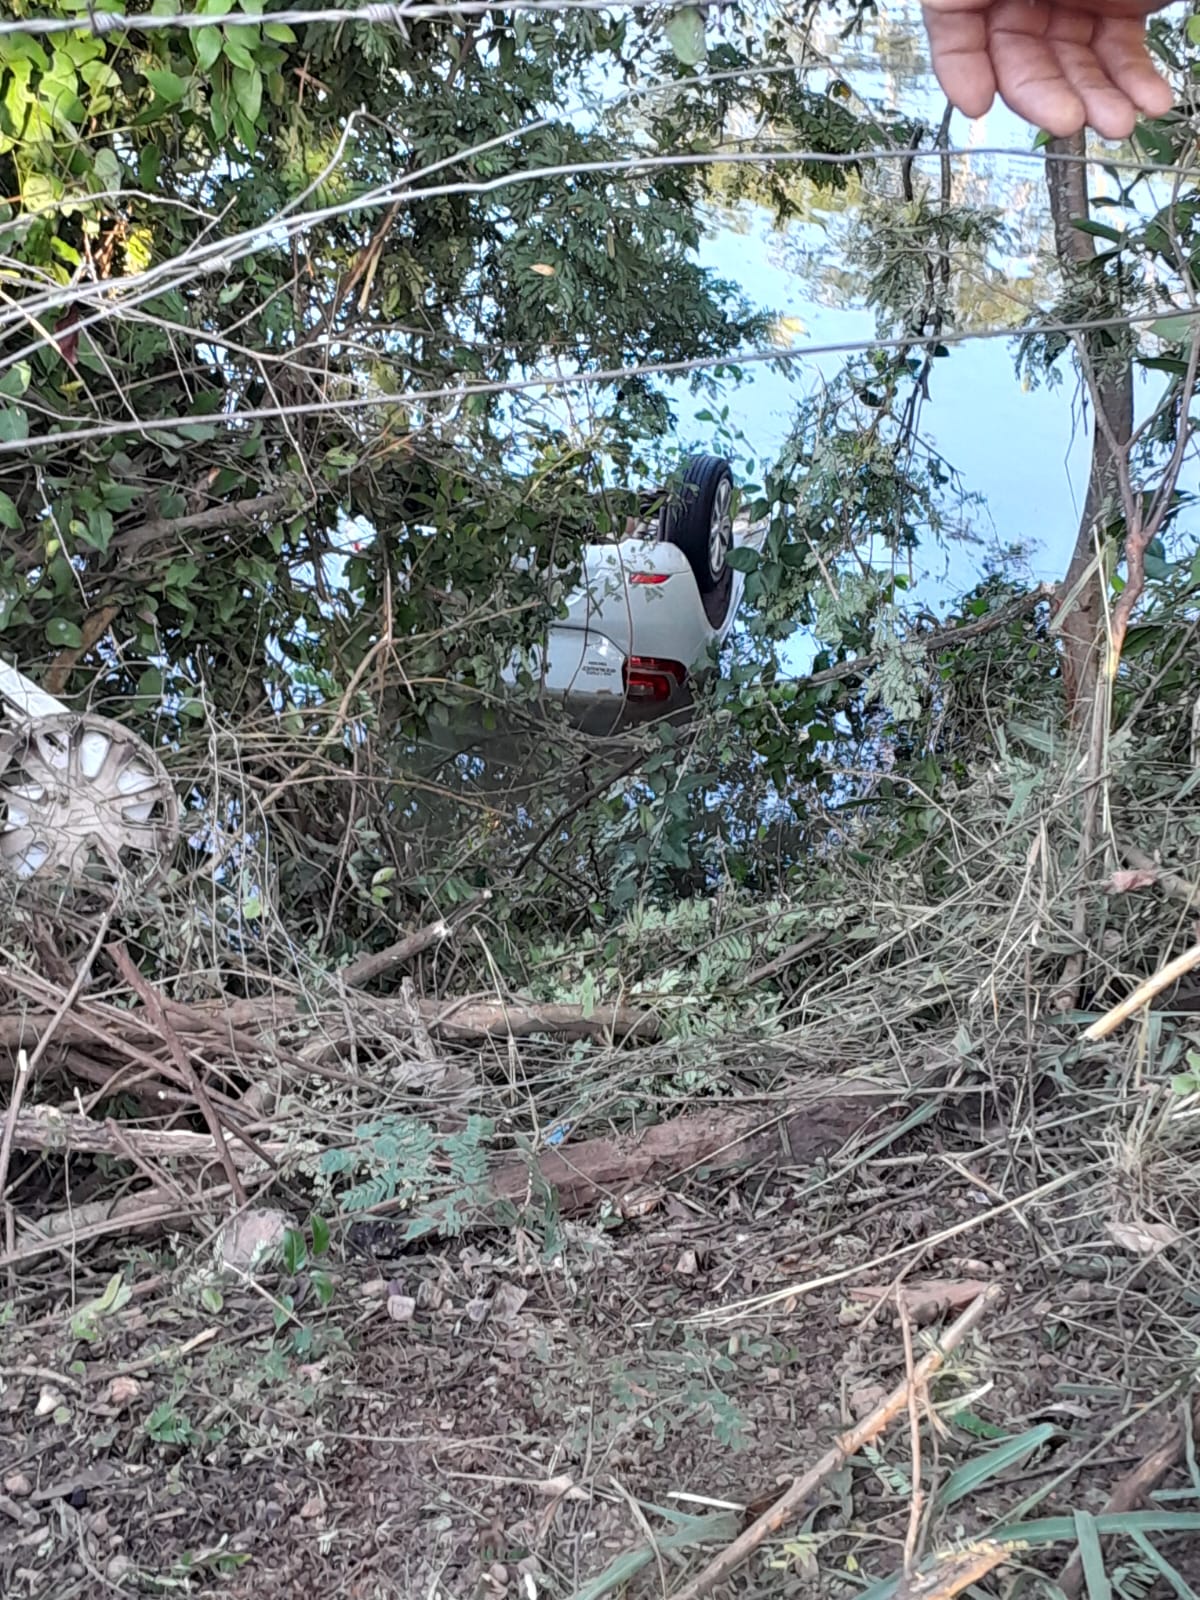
[397, 239]
[405, 1162]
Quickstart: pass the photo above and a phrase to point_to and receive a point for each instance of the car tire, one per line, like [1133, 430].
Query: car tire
[698, 519]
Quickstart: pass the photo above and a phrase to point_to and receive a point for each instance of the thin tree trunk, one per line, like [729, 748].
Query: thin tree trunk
[1112, 399]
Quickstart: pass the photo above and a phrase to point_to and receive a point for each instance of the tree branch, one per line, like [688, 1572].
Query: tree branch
[130, 544]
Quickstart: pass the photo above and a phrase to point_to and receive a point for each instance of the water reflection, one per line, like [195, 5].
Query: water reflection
[1023, 453]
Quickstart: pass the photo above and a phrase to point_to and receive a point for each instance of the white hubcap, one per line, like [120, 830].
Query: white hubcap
[720, 530]
[79, 796]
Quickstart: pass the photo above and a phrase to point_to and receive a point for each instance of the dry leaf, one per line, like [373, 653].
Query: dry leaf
[507, 1302]
[686, 1265]
[927, 1300]
[1143, 1238]
[543, 269]
[400, 1307]
[555, 1488]
[1130, 878]
[120, 1392]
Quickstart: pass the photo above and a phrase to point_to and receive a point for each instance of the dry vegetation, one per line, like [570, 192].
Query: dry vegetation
[557, 1298]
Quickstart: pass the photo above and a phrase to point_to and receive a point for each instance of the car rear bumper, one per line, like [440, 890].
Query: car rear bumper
[603, 689]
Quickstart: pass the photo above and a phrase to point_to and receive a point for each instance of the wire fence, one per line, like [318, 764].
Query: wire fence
[93, 301]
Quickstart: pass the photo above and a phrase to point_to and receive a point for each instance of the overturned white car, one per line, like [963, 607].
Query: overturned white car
[647, 611]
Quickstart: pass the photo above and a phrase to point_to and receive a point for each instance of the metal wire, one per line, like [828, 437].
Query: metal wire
[376, 15]
[573, 380]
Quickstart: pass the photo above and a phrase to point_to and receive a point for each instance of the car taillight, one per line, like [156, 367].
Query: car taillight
[649, 577]
[649, 678]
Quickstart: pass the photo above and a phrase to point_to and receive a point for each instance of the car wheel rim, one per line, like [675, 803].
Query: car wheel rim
[83, 798]
[720, 531]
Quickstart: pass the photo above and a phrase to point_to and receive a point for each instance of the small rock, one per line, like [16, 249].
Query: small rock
[49, 1400]
[401, 1307]
[314, 1506]
[507, 1302]
[118, 1567]
[686, 1265]
[98, 1524]
[251, 1238]
[373, 1289]
[17, 1485]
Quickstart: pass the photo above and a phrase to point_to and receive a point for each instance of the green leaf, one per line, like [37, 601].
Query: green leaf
[1157, 1560]
[15, 381]
[149, 166]
[1101, 230]
[236, 51]
[247, 88]
[1173, 330]
[295, 1251]
[13, 424]
[168, 86]
[1193, 29]
[107, 167]
[10, 517]
[63, 633]
[320, 1234]
[279, 32]
[685, 35]
[742, 559]
[206, 42]
[965, 1480]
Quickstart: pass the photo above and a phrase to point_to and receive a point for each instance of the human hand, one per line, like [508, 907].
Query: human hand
[1061, 64]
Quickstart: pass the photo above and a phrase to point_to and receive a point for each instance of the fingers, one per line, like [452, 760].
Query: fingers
[958, 52]
[1029, 73]
[1105, 107]
[1120, 46]
[1061, 66]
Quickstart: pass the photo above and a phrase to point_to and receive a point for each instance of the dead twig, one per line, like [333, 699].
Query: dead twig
[956, 1572]
[26, 1064]
[48, 1128]
[1143, 994]
[365, 968]
[917, 1502]
[98, 1219]
[1132, 1490]
[183, 1062]
[794, 1498]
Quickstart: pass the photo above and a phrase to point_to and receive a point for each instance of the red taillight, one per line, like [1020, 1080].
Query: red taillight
[648, 678]
[649, 577]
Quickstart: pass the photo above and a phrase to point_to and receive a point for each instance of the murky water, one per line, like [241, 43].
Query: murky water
[1024, 453]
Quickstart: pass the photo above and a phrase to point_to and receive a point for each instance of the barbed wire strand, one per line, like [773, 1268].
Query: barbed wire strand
[220, 255]
[564, 380]
[375, 15]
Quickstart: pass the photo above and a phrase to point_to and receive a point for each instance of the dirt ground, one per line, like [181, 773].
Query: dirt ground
[485, 1419]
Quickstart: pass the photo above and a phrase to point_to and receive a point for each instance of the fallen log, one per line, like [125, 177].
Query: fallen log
[612, 1168]
[48, 1128]
[462, 1021]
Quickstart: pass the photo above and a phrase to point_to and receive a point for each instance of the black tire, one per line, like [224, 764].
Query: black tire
[688, 521]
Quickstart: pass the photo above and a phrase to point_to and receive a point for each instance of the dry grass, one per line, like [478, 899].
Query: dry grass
[554, 1382]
